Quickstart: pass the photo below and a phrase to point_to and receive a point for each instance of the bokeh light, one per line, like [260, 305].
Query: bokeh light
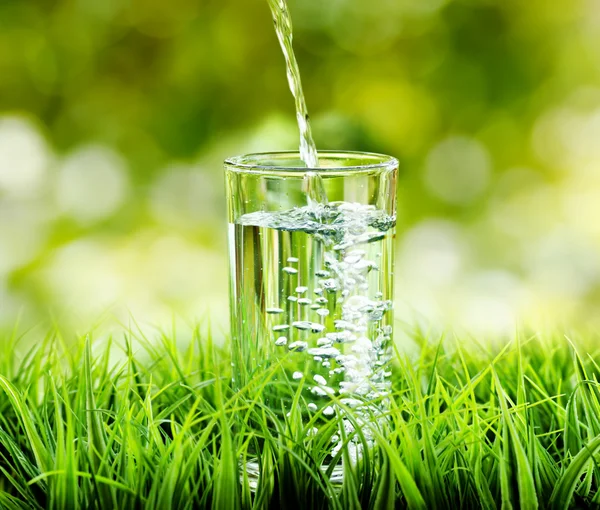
[23, 157]
[457, 170]
[115, 118]
[91, 184]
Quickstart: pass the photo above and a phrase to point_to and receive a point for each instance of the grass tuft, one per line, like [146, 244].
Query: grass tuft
[140, 424]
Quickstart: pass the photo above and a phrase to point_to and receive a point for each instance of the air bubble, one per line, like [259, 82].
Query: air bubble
[351, 402]
[324, 352]
[298, 346]
[315, 327]
[322, 391]
[341, 337]
[353, 259]
[329, 285]
[365, 264]
[342, 324]
[320, 380]
[282, 340]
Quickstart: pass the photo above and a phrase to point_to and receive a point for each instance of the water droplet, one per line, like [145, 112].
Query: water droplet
[290, 270]
[274, 310]
[297, 375]
[321, 301]
[292, 260]
[281, 327]
[292, 298]
[301, 290]
[304, 301]
[323, 312]
[312, 407]
[328, 411]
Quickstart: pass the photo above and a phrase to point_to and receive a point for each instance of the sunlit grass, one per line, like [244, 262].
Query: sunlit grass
[468, 427]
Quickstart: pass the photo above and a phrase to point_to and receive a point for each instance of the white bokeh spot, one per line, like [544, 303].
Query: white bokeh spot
[433, 253]
[24, 157]
[91, 183]
[457, 170]
[182, 195]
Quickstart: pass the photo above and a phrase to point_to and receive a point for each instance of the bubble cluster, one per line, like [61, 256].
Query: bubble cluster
[332, 302]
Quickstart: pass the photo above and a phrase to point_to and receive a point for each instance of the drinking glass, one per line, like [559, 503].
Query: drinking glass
[311, 283]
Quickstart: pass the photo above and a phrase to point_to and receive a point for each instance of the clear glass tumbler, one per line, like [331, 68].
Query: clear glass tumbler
[311, 260]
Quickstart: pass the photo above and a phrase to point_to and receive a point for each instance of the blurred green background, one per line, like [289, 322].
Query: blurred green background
[115, 116]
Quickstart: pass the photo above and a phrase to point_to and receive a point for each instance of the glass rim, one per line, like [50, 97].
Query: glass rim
[250, 163]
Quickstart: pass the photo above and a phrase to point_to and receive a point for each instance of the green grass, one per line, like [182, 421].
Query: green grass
[139, 424]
